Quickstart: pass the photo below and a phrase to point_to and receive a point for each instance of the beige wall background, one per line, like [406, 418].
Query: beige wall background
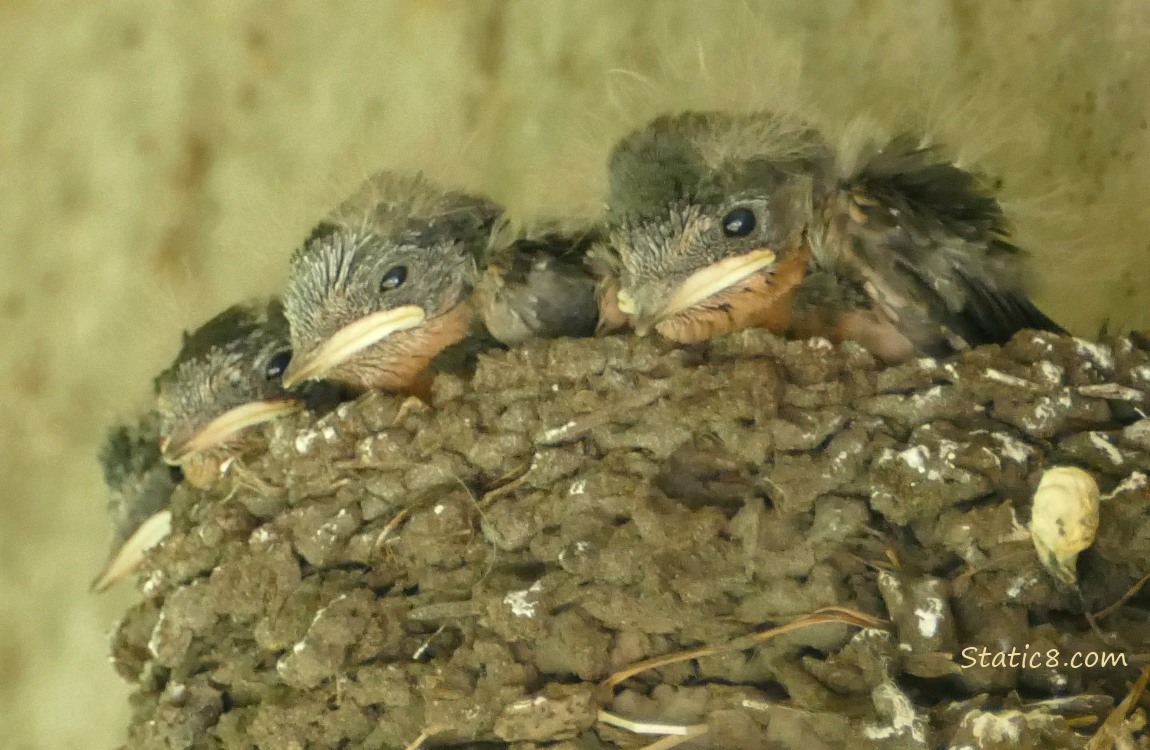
[158, 161]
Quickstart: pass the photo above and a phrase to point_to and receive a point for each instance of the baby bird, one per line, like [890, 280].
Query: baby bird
[140, 485]
[722, 221]
[384, 283]
[227, 378]
[540, 286]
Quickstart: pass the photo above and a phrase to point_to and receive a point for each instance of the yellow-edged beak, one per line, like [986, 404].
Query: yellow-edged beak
[701, 285]
[131, 552]
[351, 339]
[227, 425]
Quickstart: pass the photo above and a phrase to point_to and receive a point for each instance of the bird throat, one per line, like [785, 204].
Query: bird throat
[398, 363]
[762, 300]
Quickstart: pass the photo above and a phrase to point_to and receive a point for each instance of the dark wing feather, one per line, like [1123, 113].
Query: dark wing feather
[544, 288]
[929, 241]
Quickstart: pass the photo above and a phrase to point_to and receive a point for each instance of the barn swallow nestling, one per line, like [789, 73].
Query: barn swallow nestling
[140, 485]
[227, 378]
[384, 283]
[540, 286]
[723, 221]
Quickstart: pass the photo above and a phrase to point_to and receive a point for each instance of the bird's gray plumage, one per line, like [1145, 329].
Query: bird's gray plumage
[223, 364]
[906, 234]
[437, 239]
[139, 483]
[540, 286]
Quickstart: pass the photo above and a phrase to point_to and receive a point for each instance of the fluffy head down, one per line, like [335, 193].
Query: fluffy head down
[234, 361]
[380, 282]
[693, 190]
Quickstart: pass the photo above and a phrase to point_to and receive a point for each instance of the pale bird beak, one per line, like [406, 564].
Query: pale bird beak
[131, 552]
[709, 281]
[351, 339]
[699, 286]
[227, 425]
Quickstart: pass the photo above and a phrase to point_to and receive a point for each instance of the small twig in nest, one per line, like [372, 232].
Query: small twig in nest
[414, 744]
[675, 734]
[1107, 735]
[509, 482]
[391, 526]
[818, 617]
[1106, 612]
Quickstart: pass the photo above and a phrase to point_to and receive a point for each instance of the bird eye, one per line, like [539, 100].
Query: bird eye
[277, 364]
[393, 279]
[739, 222]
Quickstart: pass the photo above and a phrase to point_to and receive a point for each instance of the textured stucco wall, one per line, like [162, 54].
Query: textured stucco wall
[159, 161]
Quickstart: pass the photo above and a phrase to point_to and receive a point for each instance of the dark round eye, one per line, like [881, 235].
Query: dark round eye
[277, 364]
[393, 279]
[739, 222]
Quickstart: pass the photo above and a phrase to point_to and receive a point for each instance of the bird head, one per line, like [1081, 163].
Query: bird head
[382, 284]
[226, 379]
[705, 215]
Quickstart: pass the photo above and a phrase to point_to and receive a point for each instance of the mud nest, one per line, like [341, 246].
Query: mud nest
[477, 571]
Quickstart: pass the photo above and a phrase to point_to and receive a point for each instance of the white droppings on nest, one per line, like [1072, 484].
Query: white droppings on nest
[871, 634]
[999, 376]
[1013, 449]
[919, 400]
[304, 440]
[903, 719]
[523, 603]
[1044, 412]
[152, 583]
[526, 704]
[554, 387]
[1042, 342]
[1099, 354]
[951, 371]
[915, 457]
[261, 535]
[578, 488]
[929, 616]
[157, 634]
[438, 509]
[947, 451]
[320, 612]
[227, 464]
[1050, 372]
[557, 432]
[1018, 584]
[819, 344]
[988, 727]
[329, 434]
[343, 410]
[331, 529]
[1099, 441]
[1136, 481]
[892, 588]
[1064, 519]
[926, 363]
